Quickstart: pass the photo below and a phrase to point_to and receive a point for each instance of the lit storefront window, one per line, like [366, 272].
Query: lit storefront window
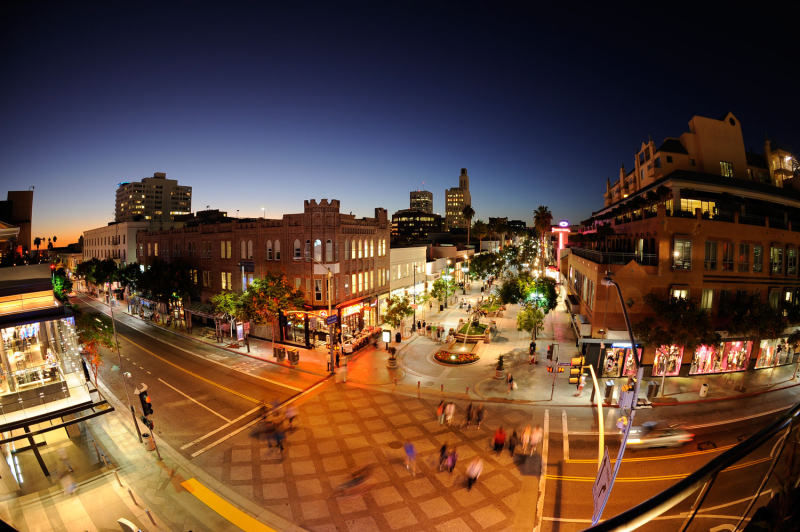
[668, 360]
[613, 361]
[726, 357]
[774, 352]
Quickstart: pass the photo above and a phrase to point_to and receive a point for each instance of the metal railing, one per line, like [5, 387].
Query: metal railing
[784, 465]
[605, 257]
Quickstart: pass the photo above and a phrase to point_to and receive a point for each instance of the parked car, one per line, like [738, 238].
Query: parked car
[651, 434]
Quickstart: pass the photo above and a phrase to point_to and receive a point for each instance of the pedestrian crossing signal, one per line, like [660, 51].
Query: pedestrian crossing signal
[576, 369]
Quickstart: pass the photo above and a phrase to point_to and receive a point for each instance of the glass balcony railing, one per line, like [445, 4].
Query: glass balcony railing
[603, 257]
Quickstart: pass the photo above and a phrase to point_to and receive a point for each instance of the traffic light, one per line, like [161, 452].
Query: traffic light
[147, 407]
[147, 422]
[576, 369]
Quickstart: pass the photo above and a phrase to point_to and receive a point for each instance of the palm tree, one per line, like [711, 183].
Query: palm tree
[37, 242]
[481, 230]
[468, 213]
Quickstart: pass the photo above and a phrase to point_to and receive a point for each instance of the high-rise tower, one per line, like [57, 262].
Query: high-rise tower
[455, 201]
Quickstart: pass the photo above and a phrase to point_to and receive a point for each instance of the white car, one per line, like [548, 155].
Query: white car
[650, 434]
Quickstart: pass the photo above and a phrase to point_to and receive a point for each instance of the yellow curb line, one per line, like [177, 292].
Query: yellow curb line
[223, 507]
[648, 458]
[656, 478]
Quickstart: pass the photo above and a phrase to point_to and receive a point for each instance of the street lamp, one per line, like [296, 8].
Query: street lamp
[414, 289]
[608, 281]
[331, 326]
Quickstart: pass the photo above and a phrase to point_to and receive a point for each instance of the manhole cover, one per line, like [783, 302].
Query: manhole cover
[395, 444]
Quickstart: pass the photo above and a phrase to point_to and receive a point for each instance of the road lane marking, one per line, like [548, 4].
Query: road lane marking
[224, 508]
[227, 436]
[193, 374]
[198, 403]
[658, 457]
[657, 477]
[226, 366]
[543, 472]
[565, 432]
[204, 436]
[659, 518]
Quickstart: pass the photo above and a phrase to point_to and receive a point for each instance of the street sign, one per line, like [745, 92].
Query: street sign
[565, 364]
[330, 320]
[601, 488]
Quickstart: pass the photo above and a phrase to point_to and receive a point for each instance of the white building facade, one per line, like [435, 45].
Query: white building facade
[114, 241]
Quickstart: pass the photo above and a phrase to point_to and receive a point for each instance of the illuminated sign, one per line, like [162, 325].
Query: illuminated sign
[352, 309]
[563, 223]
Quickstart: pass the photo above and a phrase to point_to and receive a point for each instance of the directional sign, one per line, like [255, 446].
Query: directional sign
[601, 488]
[330, 320]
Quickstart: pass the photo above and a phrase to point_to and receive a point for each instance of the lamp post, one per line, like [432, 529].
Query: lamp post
[414, 291]
[608, 281]
[331, 326]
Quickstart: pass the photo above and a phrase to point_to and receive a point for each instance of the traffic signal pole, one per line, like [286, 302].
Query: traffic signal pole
[122, 373]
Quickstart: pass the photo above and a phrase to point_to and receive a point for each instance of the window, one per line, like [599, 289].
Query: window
[727, 256]
[710, 262]
[225, 277]
[206, 279]
[318, 250]
[366, 250]
[669, 158]
[707, 208]
[297, 255]
[775, 260]
[308, 250]
[328, 251]
[277, 250]
[360, 282]
[682, 254]
[791, 261]
[353, 283]
[353, 251]
[193, 275]
[148, 249]
[225, 249]
[297, 282]
[269, 249]
[726, 168]
[346, 249]
[249, 249]
[155, 249]
[317, 289]
[657, 162]
[372, 248]
[758, 259]
[744, 257]
[707, 299]
[679, 292]
[244, 249]
[372, 279]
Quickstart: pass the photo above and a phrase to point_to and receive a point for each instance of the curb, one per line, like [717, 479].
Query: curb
[728, 398]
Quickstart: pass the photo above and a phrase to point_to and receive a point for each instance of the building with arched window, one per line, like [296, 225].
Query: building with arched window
[321, 238]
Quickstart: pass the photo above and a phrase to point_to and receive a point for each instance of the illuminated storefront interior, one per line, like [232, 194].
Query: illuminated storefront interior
[667, 360]
[617, 360]
[722, 358]
[774, 352]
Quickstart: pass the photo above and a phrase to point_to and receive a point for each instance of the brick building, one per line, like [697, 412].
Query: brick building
[305, 246]
[700, 218]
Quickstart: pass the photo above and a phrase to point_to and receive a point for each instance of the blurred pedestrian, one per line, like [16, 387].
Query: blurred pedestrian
[474, 470]
[440, 412]
[526, 438]
[513, 441]
[479, 416]
[411, 457]
[468, 417]
[280, 437]
[581, 384]
[451, 459]
[443, 457]
[536, 437]
[450, 412]
[509, 382]
[499, 440]
[291, 413]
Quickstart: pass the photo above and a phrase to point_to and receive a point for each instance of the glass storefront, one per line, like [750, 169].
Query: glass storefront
[722, 358]
[294, 330]
[352, 320]
[40, 363]
[618, 360]
[667, 360]
[774, 352]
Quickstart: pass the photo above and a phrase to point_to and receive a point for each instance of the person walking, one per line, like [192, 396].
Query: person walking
[291, 413]
[581, 384]
[479, 416]
[450, 412]
[451, 460]
[440, 412]
[280, 437]
[474, 470]
[526, 438]
[499, 440]
[509, 382]
[536, 437]
[468, 416]
[513, 441]
[411, 457]
[443, 457]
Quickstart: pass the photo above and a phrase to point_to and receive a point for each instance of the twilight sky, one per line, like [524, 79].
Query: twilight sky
[257, 106]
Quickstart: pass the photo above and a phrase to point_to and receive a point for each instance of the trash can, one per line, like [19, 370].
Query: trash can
[704, 389]
[294, 355]
[609, 391]
[149, 444]
[441, 308]
[398, 337]
[279, 353]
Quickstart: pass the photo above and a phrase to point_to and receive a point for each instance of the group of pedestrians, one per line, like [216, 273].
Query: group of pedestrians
[275, 427]
[529, 440]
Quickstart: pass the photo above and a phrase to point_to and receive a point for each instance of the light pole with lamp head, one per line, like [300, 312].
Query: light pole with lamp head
[608, 281]
[331, 326]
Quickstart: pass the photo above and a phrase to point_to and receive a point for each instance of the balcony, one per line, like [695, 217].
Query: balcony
[601, 257]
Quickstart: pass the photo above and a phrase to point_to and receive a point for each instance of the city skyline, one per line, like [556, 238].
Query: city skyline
[236, 102]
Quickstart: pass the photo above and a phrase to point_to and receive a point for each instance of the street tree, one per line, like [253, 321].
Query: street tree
[485, 264]
[750, 316]
[675, 321]
[542, 292]
[480, 230]
[468, 212]
[265, 300]
[94, 332]
[398, 308]
[542, 221]
[62, 284]
[228, 304]
[130, 277]
[531, 319]
[512, 291]
[442, 289]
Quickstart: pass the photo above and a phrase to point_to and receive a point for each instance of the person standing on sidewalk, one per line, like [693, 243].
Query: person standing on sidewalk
[468, 417]
[411, 457]
[479, 416]
[440, 412]
[474, 470]
[499, 440]
[512, 443]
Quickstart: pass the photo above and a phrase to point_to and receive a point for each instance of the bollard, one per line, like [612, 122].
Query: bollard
[132, 497]
[118, 480]
[147, 511]
[418, 389]
[441, 389]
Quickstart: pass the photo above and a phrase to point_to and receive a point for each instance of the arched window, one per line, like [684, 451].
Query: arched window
[318, 250]
[269, 249]
[244, 250]
[308, 250]
[249, 249]
[297, 251]
[328, 250]
[277, 250]
[366, 249]
[372, 248]
[353, 251]
[359, 249]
